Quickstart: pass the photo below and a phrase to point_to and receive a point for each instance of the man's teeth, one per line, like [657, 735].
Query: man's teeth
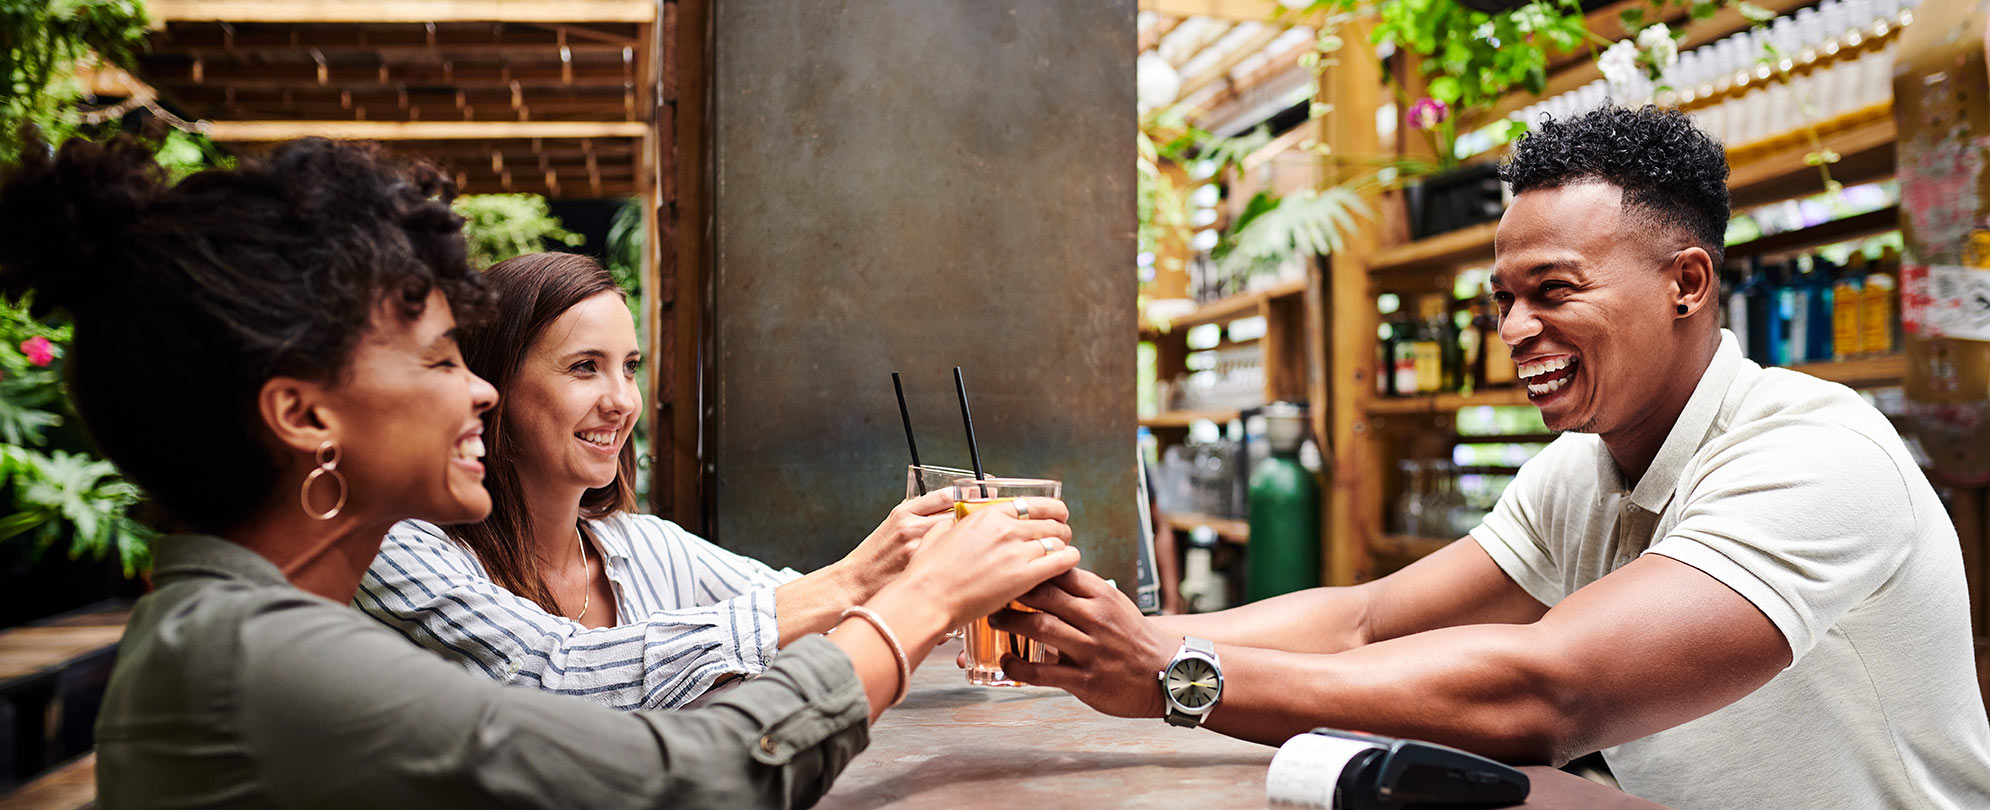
[601, 437]
[471, 447]
[1540, 367]
[1547, 387]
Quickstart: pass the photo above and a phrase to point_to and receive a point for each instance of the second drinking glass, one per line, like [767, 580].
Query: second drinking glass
[985, 644]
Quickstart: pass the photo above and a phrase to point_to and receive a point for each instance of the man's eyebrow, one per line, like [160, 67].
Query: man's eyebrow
[1539, 269]
[443, 340]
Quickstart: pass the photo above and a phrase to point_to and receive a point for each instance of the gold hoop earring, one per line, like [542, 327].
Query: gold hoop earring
[328, 465]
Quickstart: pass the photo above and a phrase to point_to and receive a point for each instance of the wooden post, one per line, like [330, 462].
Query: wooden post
[1353, 507]
[683, 211]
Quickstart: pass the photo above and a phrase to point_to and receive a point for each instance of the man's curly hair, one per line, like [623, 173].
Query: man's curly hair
[1669, 169]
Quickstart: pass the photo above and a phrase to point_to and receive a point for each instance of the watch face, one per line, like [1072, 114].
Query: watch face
[1192, 683]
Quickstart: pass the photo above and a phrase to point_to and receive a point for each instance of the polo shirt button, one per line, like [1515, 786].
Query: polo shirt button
[767, 744]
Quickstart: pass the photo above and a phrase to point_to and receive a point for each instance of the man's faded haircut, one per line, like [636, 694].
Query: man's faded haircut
[1670, 171]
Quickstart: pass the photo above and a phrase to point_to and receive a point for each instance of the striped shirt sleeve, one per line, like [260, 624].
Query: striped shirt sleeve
[434, 592]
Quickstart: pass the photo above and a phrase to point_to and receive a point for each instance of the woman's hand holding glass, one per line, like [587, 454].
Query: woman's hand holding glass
[968, 571]
[884, 554]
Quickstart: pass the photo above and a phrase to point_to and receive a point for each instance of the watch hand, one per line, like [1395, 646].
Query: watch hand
[1201, 684]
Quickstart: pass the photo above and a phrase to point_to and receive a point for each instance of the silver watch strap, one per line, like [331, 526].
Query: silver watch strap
[1201, 645]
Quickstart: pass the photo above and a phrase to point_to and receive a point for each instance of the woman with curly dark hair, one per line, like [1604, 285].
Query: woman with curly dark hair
[270, 352]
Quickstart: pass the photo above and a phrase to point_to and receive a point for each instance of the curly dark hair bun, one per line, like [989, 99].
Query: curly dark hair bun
[1666, 166]
[188, 297]
[64, 218]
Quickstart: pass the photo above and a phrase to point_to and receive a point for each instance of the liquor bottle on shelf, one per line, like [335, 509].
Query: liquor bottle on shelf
[1471, 348]
[1408, 334]
[1764, 313]
[1846, 299]
[1430, 344]
[1386, 350]
[1796, 295]
[1879, 309]
[1818, 324]
[1734, 311]
[1496, 365]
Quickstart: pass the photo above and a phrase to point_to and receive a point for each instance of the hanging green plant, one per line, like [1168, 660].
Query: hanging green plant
[500, 226]
[42, 42]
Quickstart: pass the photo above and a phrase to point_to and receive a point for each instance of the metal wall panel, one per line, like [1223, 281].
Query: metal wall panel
[912, 185]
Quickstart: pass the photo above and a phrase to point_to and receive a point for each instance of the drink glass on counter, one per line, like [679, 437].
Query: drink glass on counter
[985, 644]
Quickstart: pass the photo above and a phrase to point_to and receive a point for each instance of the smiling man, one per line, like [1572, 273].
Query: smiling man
[1734, 581]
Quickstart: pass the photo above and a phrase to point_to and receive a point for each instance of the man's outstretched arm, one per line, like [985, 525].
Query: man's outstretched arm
[1646, 648]
[1458, 584]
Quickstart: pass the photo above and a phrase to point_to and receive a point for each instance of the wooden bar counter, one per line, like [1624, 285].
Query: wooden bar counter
[952, 746]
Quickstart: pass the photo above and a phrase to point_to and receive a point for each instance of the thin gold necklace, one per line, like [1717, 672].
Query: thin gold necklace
[586, 579]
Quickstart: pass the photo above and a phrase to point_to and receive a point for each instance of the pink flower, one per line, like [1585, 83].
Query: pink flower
[1428, 112]
[39, 351]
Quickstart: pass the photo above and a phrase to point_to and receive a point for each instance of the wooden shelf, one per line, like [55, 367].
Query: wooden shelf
[1776, 168]
[1443, 251]
[1182, 419]
[1763, 171]
[1446, 403]
[1862, 372]
[1404, 545]
[1824, 233]
[1222, 309]
[1231, 531]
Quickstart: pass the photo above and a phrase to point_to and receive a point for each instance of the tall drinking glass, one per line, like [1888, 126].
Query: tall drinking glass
[929, 478]
[985, 644]
[932, 478]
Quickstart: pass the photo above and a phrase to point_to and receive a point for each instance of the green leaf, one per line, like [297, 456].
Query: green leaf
[1445, 89]
[1633, 18]
[1754, 13]
[1704, 9]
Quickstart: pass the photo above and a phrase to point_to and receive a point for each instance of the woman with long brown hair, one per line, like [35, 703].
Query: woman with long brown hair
[270, 352]
[566, 587]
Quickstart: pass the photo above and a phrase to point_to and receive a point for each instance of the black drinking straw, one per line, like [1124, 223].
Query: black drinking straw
[973, 450]
[918, 481]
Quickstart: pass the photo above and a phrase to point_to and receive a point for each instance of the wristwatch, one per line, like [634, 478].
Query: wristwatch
[1192, 682]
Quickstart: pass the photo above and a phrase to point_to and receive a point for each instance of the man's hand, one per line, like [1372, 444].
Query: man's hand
[1108, 655]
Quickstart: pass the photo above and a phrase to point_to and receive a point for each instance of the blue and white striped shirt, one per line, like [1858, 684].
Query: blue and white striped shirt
[689, 614]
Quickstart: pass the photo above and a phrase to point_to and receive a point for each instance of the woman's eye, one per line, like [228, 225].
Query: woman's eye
[584, 366]
[632, 367]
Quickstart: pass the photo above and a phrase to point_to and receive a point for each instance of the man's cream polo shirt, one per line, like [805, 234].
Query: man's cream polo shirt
[1802, 498]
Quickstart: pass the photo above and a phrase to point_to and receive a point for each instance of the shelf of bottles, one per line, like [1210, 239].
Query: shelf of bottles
[1822, 64]
[1443, 353]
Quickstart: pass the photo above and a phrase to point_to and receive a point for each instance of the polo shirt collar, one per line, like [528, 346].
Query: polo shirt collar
[188, 556]
[1695, 421]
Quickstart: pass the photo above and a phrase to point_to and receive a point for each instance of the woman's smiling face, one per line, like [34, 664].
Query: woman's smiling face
[410, 434]
[575, 398]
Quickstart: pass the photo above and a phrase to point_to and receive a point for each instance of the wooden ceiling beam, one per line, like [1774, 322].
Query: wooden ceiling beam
[608, 97]
[404, 11]
[459, 37]
[1151, 35]
[235, 131]
[245, 76]
[1232, 10]
[1221, 69]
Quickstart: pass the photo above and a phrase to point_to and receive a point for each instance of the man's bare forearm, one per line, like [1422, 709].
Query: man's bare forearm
[1492, 689]
[1318, 620]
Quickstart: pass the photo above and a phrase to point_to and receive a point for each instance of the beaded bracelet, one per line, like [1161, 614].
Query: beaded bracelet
[890, 640]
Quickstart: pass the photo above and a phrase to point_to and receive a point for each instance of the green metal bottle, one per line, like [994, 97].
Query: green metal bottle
[1283, 554]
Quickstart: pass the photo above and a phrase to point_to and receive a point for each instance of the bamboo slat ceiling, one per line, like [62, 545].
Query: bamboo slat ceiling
[1227, 53]
[511, 98]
